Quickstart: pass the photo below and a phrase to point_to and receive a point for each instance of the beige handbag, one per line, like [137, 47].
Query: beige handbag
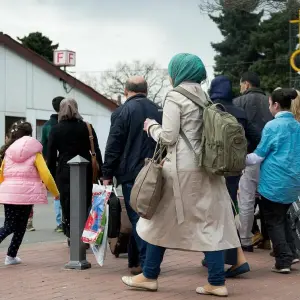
[146, 191]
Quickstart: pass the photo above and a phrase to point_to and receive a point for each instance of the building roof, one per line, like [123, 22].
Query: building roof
[50, 68]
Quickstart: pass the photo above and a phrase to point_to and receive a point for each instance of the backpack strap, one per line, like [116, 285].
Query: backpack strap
[186, 140]
[192, 97]
[198, 102]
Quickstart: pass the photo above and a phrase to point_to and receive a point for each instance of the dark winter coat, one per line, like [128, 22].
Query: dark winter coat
[46, 131]
[70, 138]
[128, 145]
[256, 105]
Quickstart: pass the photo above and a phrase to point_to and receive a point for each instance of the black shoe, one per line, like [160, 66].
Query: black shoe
[248, 248]
[59, 229]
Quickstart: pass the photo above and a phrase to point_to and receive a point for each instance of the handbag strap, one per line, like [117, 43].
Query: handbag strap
[158, 153]
[91, 137]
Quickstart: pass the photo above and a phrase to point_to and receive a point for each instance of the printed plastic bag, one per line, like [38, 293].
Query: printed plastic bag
[94, 225]
[100, 250]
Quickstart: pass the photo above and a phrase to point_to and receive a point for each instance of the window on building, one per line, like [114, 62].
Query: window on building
[39, 126]
[9, 121]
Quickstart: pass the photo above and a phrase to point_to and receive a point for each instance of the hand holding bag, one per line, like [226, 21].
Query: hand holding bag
[146, 191]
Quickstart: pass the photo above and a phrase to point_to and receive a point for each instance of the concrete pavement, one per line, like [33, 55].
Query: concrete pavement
[42, 277]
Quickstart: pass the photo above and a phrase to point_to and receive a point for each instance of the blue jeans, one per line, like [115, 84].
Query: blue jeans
[215, 265]
[57, 209]
[214, 259]
[134, 217]
[154, 258]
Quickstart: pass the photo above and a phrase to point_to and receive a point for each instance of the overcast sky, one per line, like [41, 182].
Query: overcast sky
[104, 32]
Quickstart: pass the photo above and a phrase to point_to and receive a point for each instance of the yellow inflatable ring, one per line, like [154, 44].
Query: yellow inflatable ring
[292, 61]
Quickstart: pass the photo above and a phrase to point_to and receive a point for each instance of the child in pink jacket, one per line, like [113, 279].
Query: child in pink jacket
[24, 177]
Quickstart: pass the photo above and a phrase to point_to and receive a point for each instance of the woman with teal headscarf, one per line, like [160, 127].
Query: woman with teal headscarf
[194, 213]
[186, 67]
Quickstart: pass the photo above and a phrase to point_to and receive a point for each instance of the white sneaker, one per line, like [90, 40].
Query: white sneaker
[295, 261]
[281, 271]
[12, 261]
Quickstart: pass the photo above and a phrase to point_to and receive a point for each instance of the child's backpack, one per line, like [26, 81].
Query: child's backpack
[224, 145]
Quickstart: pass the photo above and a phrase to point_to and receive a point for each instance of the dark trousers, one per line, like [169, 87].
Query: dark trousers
[255, 228]
[279, 232]
[134, 217]
[63, 184]
[232, 184]
[214, 260]
[133, 253]
[65, 201]
[16, 219]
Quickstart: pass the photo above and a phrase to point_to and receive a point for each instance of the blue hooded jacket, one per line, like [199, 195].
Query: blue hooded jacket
[221, 89]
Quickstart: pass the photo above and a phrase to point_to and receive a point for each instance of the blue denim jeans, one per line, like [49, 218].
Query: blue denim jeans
[134, 217]
[154, 258]
[214, 259]
[215, 265]
[57, 209]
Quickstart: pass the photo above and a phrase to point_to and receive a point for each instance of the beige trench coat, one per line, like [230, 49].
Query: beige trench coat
[195, 212]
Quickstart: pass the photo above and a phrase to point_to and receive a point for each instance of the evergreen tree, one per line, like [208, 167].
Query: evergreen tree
[235, 53]
[40, 44]
[272, 40]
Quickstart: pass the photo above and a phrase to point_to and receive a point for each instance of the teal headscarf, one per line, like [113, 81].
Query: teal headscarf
[186, 67]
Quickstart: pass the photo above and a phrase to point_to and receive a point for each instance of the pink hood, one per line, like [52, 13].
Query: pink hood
[23, 148]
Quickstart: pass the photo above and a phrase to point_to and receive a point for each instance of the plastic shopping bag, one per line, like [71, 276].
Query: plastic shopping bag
[100, 250]
[236, 212]
[294, 222]
[95, 223]
[103, 224]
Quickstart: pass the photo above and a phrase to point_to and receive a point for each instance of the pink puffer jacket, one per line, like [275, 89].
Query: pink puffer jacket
[22, 183]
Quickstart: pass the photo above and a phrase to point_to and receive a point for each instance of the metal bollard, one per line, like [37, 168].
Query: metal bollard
[78, 167]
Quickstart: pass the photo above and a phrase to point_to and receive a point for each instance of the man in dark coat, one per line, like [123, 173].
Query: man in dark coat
[128, 145]
[45, 135]
[256, 105]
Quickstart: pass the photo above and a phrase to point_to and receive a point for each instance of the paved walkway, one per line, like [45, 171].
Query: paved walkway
[42, 277]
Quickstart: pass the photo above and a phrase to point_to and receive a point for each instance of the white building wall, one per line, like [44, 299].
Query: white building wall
[27, 91]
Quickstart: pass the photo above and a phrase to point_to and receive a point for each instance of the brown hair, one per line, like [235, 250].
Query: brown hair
[296, 107]
[17, 130]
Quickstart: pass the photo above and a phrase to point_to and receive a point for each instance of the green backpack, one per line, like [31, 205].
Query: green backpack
[224, 145]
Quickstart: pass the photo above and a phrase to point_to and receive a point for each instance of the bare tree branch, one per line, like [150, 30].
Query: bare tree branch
[112, 82]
